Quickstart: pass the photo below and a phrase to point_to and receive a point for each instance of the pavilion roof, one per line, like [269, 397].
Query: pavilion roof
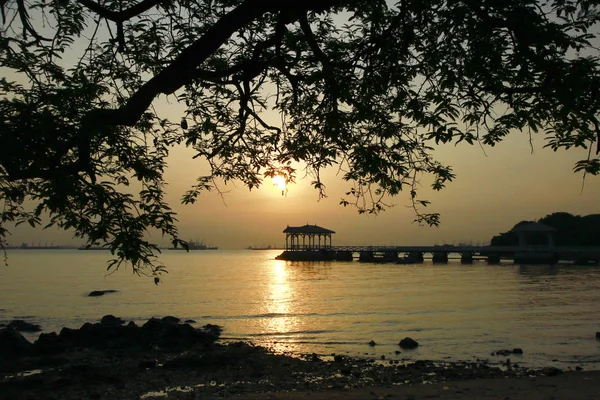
[307, 229]
[533, 227]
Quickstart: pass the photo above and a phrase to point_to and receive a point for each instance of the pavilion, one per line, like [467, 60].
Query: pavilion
[307, 237]
[528, 230]
[529, 253]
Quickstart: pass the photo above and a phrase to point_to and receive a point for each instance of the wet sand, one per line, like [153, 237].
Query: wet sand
[567, 386]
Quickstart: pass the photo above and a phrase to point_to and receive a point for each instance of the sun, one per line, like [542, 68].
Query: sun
[279, 182]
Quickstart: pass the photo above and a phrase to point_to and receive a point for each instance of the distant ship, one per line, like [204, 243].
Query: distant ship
[196, 245]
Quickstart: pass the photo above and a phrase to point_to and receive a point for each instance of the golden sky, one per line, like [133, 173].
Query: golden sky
[490, 194]
[493, 190]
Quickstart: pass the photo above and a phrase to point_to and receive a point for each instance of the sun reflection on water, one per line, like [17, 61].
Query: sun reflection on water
[278, 306]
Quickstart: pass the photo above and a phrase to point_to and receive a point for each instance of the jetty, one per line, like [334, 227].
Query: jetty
[314, 243]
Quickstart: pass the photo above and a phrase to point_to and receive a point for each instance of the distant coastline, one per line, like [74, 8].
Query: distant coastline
[25, 246]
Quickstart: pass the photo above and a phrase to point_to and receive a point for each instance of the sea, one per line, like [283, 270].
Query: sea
[455, 312]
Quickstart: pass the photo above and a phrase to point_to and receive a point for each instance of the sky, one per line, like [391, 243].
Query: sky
[492, 192]
[494, 189]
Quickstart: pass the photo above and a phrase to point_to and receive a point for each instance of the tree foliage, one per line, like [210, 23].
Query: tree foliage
[365, 86]
[571, 230]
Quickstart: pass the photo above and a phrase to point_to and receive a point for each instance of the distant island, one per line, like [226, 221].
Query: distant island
[571, 230]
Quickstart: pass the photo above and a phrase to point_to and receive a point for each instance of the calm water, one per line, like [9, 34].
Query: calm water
[456, 312]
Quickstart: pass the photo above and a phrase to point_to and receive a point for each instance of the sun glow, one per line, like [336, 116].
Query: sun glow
[279, 182]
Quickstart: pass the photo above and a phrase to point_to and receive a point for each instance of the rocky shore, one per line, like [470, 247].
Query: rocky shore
[168, 358]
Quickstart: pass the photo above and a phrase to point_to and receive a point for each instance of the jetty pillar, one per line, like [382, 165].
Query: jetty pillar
[466, 258]
[415, 256]
[390, 256]
[440, 257]
[343, 256]
[366, 256]
[493, 258]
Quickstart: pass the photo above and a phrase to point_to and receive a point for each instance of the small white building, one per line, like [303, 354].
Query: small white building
[307, 237]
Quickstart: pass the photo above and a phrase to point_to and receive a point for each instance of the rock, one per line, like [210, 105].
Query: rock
[383, 357]
[597, 335]
[551, 371]
[69, 334]
[149, 364]
[338, 358]
[96, 293]
[23, 326]
[48, 343]
[408, 343]
[176, 335]
[372, 343]
[214, 330]
[112, 334]
[190, 321]
[153, 324]
[170, 319]
[397, 352]
[13, 344]
[87, 327]
[111, 320]
[506, 352]
[346, 370]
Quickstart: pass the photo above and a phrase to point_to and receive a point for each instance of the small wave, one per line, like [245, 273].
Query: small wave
[303, 341]
[290, 333]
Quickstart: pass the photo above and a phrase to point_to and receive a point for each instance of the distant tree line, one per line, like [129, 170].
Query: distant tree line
[571, 230]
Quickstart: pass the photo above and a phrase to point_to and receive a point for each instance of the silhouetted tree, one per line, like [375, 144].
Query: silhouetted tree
[364, 85]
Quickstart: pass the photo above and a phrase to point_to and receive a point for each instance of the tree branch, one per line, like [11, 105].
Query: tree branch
[597, 130]
[25, 22]
[312, 41]
[183, 68]
[120, 16]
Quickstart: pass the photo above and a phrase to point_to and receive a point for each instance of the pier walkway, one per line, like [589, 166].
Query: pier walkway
[466, 253]
[314, 243]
